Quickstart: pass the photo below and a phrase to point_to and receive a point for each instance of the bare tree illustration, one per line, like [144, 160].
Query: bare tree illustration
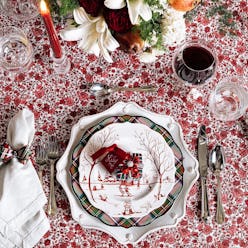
[106, 137]
[156, 152]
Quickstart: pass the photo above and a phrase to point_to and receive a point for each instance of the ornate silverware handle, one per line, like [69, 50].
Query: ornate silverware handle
[147, 88]
[204, 200]
[220, 214]
[52, 206]
[40, 176]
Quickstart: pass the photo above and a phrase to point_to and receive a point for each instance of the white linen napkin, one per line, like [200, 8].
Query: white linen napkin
[22, 218]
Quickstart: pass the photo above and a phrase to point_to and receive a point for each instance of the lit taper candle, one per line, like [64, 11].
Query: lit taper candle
[53, 37]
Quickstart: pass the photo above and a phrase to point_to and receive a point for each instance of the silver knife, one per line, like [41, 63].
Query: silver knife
[203, 168]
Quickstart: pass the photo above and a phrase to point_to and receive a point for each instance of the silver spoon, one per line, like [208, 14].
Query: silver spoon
[98, 89]
[216, 162]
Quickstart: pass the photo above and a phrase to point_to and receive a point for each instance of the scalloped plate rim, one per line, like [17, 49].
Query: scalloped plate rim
[133, 234]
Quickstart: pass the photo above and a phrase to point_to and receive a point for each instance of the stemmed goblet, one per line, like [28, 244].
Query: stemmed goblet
[194, 63]
[20, 10]
[229, 100]
[16, 52]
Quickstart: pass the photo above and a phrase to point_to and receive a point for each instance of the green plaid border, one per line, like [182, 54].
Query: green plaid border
[120, 221]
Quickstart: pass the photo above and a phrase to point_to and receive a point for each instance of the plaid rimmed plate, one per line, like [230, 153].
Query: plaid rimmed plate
[122, 221]
[166, 216]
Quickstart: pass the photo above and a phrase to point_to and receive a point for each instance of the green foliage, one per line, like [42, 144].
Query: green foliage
[148, 28]
[190, 15]
[226, 22]
[65, 7]
[219, 10]
[152, 2]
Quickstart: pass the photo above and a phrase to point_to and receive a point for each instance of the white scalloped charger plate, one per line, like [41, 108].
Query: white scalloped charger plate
[133, 234]
[138, 197]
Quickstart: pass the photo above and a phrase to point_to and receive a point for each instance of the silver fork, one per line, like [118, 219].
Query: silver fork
[41, 160]
[53, 155]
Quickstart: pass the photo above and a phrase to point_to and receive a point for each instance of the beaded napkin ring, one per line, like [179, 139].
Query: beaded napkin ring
[7, 153]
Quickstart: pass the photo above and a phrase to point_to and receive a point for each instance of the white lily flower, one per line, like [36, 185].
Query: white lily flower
[138, 8]
[116, 4]
[92, 34]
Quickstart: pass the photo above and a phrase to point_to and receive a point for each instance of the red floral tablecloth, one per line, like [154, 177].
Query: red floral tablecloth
[59, 102]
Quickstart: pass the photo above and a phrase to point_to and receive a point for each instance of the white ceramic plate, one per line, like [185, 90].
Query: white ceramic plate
[132, 234]
[126, 222]
[133, 198]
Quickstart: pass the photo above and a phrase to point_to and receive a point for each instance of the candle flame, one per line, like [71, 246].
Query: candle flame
[43, 7]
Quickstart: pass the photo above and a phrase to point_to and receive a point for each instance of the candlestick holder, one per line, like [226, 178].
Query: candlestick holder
[60, 65]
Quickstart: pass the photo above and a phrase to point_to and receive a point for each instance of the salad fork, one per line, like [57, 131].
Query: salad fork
[41, 160]
[53, 155]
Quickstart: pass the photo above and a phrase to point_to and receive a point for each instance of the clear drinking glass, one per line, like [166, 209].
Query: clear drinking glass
[16, 52]
[229, 100]
[20, 10]
[194, 63]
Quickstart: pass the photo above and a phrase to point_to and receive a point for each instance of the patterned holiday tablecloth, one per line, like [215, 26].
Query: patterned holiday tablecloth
[59, 102]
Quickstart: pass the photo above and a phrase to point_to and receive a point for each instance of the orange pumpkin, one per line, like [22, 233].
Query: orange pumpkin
[183, 5]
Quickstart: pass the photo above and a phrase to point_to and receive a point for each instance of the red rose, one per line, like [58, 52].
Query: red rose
[92, 7]
[117, 19]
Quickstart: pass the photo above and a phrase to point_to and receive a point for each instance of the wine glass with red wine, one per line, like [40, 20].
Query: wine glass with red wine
[194, 63]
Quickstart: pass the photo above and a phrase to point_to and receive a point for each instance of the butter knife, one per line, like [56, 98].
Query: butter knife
[203, 169]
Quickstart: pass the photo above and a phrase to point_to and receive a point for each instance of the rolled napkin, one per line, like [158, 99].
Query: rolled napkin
[22, 218]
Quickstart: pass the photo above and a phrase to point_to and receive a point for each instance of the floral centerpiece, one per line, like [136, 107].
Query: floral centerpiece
[145, 27]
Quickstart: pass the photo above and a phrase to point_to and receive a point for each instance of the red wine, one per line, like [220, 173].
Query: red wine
[197, 58]
[194, 64]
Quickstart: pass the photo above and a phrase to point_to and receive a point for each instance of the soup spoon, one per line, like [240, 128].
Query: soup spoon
[98, 89]
[216, 162]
